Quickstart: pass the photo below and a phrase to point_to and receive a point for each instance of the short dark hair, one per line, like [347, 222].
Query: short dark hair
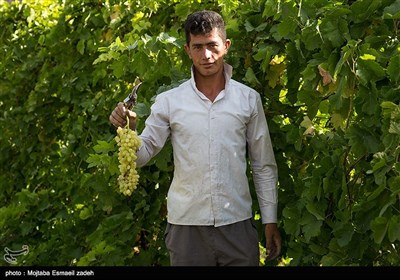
[203, 22]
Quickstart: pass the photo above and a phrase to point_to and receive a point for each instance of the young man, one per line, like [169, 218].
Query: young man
[210, 120]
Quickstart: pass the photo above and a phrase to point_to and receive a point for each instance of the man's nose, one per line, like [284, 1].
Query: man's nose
[207, 53]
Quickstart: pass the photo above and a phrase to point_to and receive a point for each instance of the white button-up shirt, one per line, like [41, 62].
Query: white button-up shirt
[210, 185]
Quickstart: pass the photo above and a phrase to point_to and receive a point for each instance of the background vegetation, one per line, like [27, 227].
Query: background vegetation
[328, 73]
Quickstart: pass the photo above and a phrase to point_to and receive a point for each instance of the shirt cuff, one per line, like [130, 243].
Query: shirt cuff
[269, 214]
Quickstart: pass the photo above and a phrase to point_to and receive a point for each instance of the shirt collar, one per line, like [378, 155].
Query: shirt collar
[227, 73]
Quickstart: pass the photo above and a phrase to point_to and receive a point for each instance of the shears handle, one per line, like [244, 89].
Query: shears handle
[130, 100]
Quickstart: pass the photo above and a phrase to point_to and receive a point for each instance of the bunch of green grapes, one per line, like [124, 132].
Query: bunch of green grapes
[128, 143]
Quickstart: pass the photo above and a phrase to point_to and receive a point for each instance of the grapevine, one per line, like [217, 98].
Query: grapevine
[128, 143]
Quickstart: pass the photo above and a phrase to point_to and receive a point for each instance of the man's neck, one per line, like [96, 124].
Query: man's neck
[210, 86]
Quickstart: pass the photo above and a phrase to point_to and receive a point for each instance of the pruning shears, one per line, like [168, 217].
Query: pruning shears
[130, 100]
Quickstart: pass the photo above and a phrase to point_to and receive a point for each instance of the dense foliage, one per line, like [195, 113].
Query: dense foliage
[329, 75]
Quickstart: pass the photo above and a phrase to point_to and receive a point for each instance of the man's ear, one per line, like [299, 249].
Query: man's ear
[187, 49]
[228, 44]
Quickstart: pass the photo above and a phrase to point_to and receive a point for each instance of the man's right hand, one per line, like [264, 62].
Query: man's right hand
[118, 116]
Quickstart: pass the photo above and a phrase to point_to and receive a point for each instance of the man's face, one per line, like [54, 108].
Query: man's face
[207, 52]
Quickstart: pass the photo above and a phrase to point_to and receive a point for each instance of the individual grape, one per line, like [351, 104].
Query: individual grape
[128, 143]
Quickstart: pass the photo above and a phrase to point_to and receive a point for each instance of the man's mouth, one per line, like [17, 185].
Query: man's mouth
[207, 65]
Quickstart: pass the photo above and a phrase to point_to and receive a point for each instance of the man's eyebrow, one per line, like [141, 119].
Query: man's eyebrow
[206, 44]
